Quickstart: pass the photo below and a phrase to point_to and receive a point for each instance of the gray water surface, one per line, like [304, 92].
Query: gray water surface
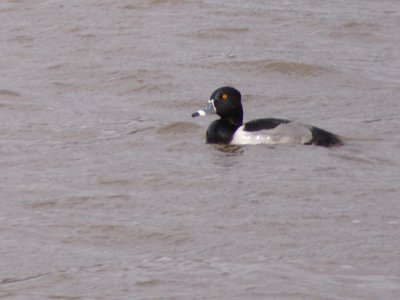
[108, 190]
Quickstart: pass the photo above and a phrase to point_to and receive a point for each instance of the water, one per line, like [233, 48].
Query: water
[108, 190]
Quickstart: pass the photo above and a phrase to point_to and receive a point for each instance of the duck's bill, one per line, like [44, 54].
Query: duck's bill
[208, 110]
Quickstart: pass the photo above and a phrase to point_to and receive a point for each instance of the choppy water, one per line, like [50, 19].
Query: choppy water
[108, 190]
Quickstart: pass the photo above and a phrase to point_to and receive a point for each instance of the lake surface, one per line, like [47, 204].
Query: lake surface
[108, 190]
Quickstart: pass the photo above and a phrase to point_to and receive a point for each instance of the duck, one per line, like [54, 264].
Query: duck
[229, 129]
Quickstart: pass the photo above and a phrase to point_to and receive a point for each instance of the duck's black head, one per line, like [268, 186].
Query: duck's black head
[225, 102]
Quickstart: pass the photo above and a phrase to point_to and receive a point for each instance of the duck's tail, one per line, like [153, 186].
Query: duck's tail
[324, 138]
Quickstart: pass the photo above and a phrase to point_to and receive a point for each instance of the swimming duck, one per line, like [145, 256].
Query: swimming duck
[229, 129]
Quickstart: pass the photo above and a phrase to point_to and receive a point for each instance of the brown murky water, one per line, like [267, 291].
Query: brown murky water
[108, 190]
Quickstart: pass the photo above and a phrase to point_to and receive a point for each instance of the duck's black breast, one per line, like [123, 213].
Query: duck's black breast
[221, 132]
[263, 124]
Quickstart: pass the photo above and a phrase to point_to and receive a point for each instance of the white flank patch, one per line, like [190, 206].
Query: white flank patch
[289, 133]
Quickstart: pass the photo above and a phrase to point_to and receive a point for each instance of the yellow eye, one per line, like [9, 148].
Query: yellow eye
[224, 96]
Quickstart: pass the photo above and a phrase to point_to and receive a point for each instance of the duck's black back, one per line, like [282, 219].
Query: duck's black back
[263, 124]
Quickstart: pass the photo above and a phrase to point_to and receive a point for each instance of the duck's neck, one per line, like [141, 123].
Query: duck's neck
[235, 117]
